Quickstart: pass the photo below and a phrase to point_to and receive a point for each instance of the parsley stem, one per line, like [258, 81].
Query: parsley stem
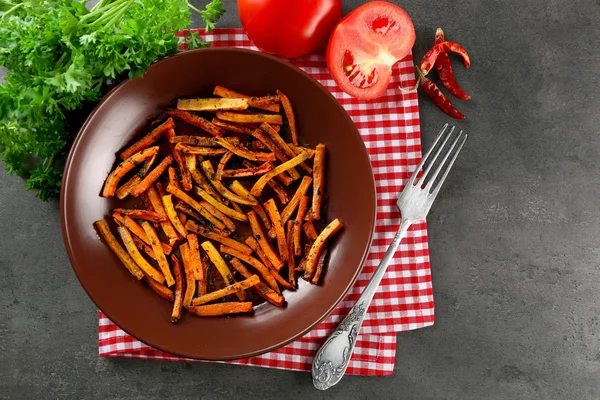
[12, 9]
[195, 8]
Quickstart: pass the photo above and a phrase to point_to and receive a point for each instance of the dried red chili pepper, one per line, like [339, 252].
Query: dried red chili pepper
[438, 98]
[431, 56]
[444, 70]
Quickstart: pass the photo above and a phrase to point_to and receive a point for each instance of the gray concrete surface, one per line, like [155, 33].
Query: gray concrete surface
[513, 238]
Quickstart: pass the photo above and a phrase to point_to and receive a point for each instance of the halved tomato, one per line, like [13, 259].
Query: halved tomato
[366, 44]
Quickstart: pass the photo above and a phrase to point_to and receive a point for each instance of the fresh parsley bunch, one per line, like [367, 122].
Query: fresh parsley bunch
[59, 56]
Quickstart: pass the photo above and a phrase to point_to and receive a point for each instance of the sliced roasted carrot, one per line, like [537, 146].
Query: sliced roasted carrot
[253, 118]
[300, 149]
[281, 155]
[319, 269]
[292, 256]
[196, 263]
[113, 244]
[110, 186]
[196, 120]
[289, 113]
[220, 206]
[253, 244]
[279, 279]
[278, 140]
[203, 151]
[226, 291]
[173, 177]
[201, 141]
[212, 104]
[230, 126]
[273, 212]
[262, 240]
[319, 182]
[219, 187]
[152, 176]
[196, 228]
[137, 256]
[317, 248]
[243, 152]
[240, 190]
[157, 204]
[262, 181]
[264, 101]
[310, 231]
[167, 201]
[216, 310]
[181, 195]
[160, 289]
[258, 145]
[247, 172]
[198, 177]
[178, 273]
[260, 267]
[149, 139]
[223, 92]
[137, 230]
[228, 222]
[221, 265]
[279, 190]
[190, 283]
[125, 189]
[158, 253]
[141, 214]
[139, 243]
[291, 207]
[263, 290]
[297, 232]
[222, 163]
[186, 177]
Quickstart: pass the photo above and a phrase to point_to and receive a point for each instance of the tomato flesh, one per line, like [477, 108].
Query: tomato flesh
[366, 44]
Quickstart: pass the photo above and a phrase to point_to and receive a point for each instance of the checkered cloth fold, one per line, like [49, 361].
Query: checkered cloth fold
[389, 127]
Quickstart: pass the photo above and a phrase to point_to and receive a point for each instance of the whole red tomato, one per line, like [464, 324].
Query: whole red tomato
[289, 28]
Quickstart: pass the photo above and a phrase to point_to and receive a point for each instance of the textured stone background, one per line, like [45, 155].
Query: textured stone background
[513, 238]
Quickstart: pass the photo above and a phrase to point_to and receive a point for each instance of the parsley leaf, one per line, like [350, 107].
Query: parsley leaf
[60, 55]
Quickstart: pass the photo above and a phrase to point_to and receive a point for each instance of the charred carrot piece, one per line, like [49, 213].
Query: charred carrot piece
[149, 139]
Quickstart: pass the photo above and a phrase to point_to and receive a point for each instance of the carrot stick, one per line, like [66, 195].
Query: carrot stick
[289, 113]
[190, 283]
[196, 263]
[157, 204]
[263, 290]
[172, 214]
[292, 257]
[317, 248]
[158, 253]
[122, 169]
[203, 151]
[247, 172]
[149, 139]
[279, 190]
[221, 266]
[200, 141]
[250, 117]
[271, 209]
[253, 244]
[297, 231]
[243, 152]
[319, 182]
[160, 289]
[262, 240]
[228, 222]
[240, 190]
[289, 209]
[260, 267]
[222, 163]
[219, 206]
[261, 135]
[141, 214]
[231, 289]
[152, 177]
[215, 310]
[113, 244]
[178, 273]
[223, 92]
[196, 120]
[137, 256]
[262, 181]
[230, 126]
[196, 228]
[278, 140]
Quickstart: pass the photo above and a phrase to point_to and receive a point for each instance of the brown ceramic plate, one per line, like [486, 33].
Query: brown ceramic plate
[124, 114]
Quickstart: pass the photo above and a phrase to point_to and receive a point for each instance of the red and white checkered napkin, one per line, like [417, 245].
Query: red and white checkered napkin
[389, 127]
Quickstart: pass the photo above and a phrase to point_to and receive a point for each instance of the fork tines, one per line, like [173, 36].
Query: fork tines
[439, 145]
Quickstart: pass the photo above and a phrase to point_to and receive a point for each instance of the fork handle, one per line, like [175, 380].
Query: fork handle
[333, 357]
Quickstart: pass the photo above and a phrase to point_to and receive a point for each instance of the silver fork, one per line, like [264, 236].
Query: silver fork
[414, 203]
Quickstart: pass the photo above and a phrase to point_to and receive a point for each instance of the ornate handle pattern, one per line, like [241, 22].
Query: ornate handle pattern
[333, 357]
